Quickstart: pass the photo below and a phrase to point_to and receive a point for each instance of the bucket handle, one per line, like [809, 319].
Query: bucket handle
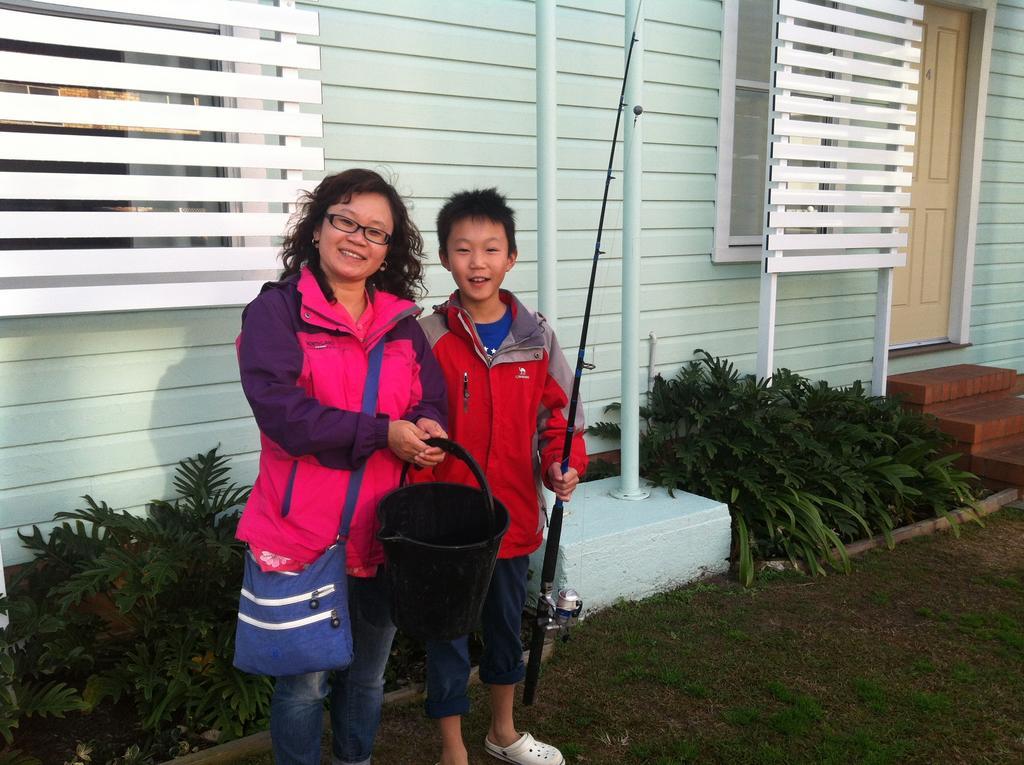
[456, 450]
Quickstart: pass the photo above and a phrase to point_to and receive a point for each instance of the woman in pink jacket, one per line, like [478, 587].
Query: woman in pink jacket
[351, 271]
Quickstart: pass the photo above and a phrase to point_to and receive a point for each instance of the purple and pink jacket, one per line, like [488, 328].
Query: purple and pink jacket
[303, 364]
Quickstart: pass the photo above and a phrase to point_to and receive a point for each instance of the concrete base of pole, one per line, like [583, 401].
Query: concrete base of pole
[631, 495]
[610, 551]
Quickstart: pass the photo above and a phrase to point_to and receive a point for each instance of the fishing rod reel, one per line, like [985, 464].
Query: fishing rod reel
[561, 613]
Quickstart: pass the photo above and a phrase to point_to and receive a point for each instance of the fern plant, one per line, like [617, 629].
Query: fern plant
[804, 467]
[137, 608]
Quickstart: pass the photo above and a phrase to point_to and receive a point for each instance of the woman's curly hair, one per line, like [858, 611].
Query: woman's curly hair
[404, 273]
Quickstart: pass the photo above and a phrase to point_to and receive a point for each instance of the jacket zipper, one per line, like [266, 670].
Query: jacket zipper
[286, 503]
[369, 341]
[465, 391]
[471, 331]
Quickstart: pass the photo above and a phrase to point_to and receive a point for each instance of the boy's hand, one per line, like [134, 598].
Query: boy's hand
[406, 441]
[563, 485]
[434, 454]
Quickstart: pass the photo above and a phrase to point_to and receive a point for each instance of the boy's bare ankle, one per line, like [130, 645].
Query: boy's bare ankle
[503, 737]
[453, 756]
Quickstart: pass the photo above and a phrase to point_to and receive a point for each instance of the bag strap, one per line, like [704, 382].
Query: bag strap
[370, 408]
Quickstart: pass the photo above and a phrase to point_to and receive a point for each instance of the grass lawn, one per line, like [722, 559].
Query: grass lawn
[916, 657]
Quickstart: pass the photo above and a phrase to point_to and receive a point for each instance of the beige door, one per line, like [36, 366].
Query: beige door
[920, 304]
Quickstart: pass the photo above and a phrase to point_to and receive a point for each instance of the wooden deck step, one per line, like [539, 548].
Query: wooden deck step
[969, 449]
[930, 387]
[1017, 389]
[1002, 463]
[978, 422]
[981, 408]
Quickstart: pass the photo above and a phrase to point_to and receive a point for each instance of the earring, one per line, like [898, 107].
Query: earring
[383, 266]
[316, 242]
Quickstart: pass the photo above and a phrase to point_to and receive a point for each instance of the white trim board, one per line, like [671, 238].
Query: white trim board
[979, 60]
[722, 251]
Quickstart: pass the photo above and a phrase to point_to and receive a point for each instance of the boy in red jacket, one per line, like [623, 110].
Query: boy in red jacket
[508, 398]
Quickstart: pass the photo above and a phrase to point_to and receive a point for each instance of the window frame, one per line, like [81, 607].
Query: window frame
[723, 251]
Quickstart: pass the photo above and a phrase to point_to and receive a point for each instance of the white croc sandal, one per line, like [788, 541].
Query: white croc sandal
[526, 751]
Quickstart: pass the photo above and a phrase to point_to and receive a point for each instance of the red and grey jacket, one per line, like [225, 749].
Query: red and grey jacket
[508, 411]
[303, 367]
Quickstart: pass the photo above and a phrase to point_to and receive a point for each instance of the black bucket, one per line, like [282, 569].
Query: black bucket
[440, 541]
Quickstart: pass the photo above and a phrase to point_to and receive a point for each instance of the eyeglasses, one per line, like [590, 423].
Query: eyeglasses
[349, 226]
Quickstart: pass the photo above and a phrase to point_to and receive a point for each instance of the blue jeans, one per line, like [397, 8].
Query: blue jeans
[502, 660]
[356, 693]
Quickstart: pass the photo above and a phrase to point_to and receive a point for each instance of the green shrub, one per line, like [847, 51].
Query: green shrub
[116, 606]
[804, 467]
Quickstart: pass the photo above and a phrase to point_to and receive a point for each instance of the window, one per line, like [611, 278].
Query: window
[148, 152]
[743, 129]
[79, 111]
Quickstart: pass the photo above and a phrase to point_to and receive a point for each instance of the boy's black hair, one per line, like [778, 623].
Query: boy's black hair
[486, 204]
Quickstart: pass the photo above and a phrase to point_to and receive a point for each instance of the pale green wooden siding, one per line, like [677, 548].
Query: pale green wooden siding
[997, 314]
[100, 404]
[441, 94]
[446, 99]
[455, 109]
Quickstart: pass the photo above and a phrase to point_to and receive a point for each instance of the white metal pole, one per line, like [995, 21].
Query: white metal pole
[769, 280]
[547, 137]
[766, 325]
[883, 317]
[632, 197]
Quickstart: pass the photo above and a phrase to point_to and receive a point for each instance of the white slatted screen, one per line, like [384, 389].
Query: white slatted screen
[150, 152]
[841, 150]
[843, 96]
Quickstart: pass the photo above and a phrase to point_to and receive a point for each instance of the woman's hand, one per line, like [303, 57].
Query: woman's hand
[406, 439]
[434, 454]
[562, 484]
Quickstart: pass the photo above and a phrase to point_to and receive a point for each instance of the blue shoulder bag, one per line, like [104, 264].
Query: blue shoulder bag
[296, 622]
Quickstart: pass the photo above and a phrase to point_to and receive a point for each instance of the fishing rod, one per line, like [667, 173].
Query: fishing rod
[559, 614]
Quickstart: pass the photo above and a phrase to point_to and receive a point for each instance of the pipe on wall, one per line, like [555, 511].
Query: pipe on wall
[547, 137]
[652, 360]
[631, 203]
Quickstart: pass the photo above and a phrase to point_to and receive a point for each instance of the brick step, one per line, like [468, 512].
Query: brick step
[969, 450]
[977, 422]
[1017, 389]
[1004, 464]
[934, 386]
